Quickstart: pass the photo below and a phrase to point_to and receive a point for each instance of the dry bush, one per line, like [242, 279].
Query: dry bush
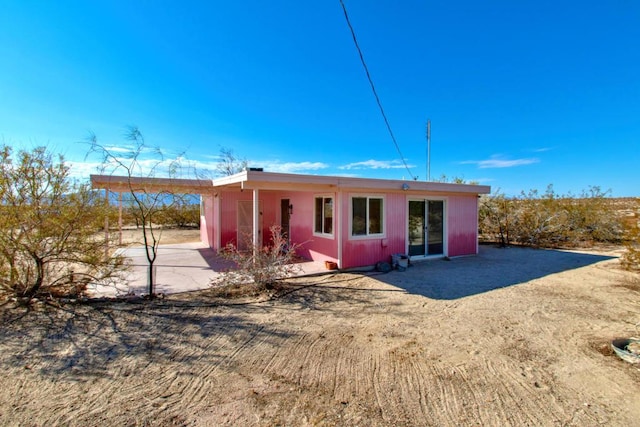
[47, 227]
[631, 283]
[181, 214]
[550, 220]
[258, 268]
[630, 260]
[495, 216]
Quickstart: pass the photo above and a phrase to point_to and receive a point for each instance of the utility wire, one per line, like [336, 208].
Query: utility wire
[373, 88]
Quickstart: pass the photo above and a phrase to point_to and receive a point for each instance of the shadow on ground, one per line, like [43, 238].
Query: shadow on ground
[492, 268]
[82, 340]
[86, 339]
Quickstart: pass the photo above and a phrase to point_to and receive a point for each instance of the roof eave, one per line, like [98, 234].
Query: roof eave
[150, 184]
[298, 182]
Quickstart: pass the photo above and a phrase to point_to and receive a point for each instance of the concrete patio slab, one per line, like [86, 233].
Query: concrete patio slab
[179, 268]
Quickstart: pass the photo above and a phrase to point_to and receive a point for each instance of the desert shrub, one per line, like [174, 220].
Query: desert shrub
[496, 216]
[592, 217]
[48, 243]
[261, 266]
[630, 259]
[549, 219]
[173, 210]
[538, 219]
[180, 214]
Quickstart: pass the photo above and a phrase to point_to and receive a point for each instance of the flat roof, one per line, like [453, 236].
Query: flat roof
[150, 184]
[258, 180]
[250, 179]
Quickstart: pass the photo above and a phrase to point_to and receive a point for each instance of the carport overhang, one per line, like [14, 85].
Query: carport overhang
[125, 184]
[149, 185]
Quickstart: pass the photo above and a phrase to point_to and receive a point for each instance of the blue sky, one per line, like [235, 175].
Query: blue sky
[521, 94]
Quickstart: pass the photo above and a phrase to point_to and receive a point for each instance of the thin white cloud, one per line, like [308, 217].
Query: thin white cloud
[374, 164]
[113, 149]
[143, 167]
[482, 180]
[210, 163]
[190, 168]
[499, 162]
[289, 167]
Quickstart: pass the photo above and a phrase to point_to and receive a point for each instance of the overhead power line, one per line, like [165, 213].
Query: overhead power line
[373, 89]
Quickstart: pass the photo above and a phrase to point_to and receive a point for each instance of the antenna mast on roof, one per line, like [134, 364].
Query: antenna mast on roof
[428, 149]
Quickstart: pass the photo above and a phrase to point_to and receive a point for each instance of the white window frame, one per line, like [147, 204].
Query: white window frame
[383, 220]
[333, 215]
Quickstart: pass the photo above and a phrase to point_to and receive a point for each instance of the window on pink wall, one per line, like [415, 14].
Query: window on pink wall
[323, 215]
[367, 218]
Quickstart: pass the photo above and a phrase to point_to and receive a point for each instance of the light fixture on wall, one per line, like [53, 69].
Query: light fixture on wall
[405, 186]
[290, 210]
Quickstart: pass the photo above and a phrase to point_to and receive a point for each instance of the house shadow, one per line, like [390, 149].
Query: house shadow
[214, 260]
[493, 268]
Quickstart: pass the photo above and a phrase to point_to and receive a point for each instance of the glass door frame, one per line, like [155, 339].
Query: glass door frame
[426, 201]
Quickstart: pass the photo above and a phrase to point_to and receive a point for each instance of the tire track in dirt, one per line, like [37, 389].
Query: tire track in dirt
[464, 394]
[172, 383]
[525, 391]
[194, 387]
[356, 356]
[402, 385]
[503, 404]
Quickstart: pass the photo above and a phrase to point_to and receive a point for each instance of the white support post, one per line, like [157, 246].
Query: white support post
[338, 225]
[120, 218]
[217, 221]
[106, 223]
[256, 219]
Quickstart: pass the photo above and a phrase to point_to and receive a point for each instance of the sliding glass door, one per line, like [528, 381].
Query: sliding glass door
[426, 227]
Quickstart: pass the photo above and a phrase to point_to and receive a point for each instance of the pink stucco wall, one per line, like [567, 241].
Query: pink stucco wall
[461, 224]
[312, 246]
[301, 221]
[368, 251]
[228, 217]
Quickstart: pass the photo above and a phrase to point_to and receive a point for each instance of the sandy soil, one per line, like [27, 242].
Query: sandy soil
[510, 337]
[133, 236]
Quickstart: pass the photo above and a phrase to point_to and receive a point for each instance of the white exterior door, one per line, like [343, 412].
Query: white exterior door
[245, 224]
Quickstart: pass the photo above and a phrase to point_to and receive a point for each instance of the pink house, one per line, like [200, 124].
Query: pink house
[354, 222]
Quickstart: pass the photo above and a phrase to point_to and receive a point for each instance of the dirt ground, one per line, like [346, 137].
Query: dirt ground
[133, 236]
[510, 337]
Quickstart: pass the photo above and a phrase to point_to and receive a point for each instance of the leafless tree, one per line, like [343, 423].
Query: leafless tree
[149, 205]
[229, 164]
